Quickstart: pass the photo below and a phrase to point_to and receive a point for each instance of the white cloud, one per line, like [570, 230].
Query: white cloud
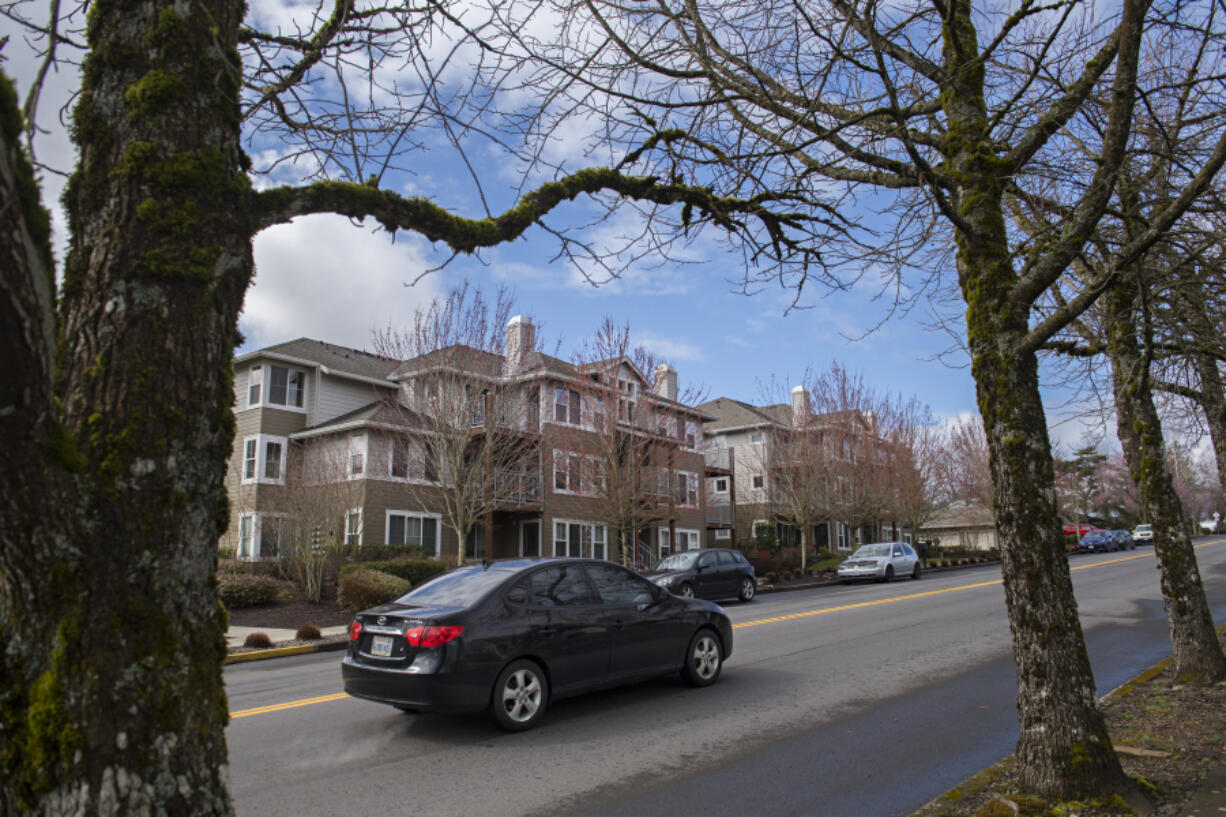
[322, 277]
[669, 348]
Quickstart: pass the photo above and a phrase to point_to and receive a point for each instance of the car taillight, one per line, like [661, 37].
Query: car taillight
[355, 630]
[432, 636]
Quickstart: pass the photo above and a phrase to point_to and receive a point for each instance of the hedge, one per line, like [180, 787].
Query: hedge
[415, 571]
[244, 590]
[362, 588]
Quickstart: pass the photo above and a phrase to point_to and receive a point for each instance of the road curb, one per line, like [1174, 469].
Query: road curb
[331, 645]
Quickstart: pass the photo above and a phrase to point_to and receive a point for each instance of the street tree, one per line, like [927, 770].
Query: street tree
[933, 115]
[120, 385]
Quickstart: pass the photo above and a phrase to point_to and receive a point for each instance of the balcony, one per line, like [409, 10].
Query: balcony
[718, 461]
[517, 488]
[720, 515]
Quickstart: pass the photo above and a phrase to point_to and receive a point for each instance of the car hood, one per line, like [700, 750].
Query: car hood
[864, 561]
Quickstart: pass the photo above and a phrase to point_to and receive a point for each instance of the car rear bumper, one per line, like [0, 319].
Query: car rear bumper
[442, 692]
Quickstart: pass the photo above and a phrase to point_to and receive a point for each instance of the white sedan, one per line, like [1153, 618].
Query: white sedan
[881, 561]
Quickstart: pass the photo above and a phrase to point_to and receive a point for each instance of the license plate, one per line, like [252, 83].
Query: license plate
[381, 645]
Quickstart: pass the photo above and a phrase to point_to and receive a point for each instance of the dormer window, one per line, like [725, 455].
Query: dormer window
[254, 380]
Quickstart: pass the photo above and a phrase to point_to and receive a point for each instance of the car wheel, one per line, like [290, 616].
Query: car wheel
[915, 573]
[889, 573]
[520, 696]
[704, 659]
[748, 588]
[686, 590]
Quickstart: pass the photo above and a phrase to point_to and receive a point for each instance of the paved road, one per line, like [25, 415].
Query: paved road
[868, 699]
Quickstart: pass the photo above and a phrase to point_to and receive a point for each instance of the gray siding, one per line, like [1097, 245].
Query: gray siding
[339, 396]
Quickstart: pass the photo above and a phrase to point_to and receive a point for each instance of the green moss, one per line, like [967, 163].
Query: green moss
[153, 94]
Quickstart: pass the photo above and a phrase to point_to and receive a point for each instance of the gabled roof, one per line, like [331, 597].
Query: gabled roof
[962, 515]
[339, 359]
[379, 414]
[729, 413]
[459, 356]
[615, 363]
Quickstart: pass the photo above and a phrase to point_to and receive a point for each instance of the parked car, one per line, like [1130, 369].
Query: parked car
[715, 573]
[1143, 533]
[1123, 540]
[1081, 528]
[880, 561]
[511, 637]
[1103, 541]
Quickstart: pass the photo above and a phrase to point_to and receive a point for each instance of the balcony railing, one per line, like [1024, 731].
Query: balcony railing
[718, 458]
[657, 484]
[720, 513]
[517, 488]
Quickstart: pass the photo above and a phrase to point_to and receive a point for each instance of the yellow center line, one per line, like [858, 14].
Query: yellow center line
[340, 696]
[261, 710]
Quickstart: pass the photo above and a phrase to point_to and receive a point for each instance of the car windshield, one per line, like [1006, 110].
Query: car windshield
[869, 551]
[455, 588]
[1095, 534]
[678, 561]
[1142, 527]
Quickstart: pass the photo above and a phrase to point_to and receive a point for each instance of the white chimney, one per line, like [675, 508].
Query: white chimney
[666, 381]
[521, 343]
[800, 407]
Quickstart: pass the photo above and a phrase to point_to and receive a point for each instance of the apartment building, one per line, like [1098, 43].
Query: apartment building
[531, 454]
[765, 462]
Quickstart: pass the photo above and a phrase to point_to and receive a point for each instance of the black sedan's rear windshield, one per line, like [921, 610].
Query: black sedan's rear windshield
[455, 588]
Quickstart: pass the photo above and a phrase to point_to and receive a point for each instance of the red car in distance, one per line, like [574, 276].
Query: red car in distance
[1081, 528]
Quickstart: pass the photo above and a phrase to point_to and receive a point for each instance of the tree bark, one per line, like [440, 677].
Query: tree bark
[1197, 654]
[1063, 749]
[126, 707]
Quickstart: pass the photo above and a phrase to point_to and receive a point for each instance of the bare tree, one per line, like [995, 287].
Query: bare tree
[940, 113]
[633, 421]
[461, 437]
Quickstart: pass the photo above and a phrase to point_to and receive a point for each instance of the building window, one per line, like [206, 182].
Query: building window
[683, 539]
[409, 528]
[400, 461]
[246, 535]
[721, 485]
[723, 533]
[566, 406]
[249, 454]
[687, 489]
[759, 481]
[755, 437]
[841, 534]
[264, 459]
[357, 453]
[585, 540]
[353, 527]
[566, 472]
[272, 460]
[286, 386]
[254, 380]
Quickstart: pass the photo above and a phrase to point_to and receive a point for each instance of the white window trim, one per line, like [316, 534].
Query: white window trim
[718, 490]
[361, 525]
[723, 533]
[693, 535]
[261, 459]
[365, 452]
[246, 517]
[540, 536]
[753, 527]
[585, 464]
[753, 478]
[265, 368]
[591, 526]
[438, 530]
[257, 533]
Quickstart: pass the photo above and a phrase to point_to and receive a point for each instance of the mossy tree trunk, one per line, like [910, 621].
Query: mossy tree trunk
[121, 637]
[1198, 656]
[1063, 749]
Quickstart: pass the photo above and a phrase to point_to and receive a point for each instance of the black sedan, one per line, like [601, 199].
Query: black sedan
[513, 636]
[714, 573]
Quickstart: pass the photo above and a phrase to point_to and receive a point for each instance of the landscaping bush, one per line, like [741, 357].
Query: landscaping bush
[259, 640]
[245, 590]
[415, 571]
[382, 553]
[772, 577]
[225, 553]
[362, 588]
[308, 632]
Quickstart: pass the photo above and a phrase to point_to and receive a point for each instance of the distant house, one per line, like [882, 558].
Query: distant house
[970, 525]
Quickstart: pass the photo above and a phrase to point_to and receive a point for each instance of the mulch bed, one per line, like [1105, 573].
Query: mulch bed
[292, 613]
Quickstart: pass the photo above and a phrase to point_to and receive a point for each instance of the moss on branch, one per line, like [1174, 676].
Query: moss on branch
[422, 216]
